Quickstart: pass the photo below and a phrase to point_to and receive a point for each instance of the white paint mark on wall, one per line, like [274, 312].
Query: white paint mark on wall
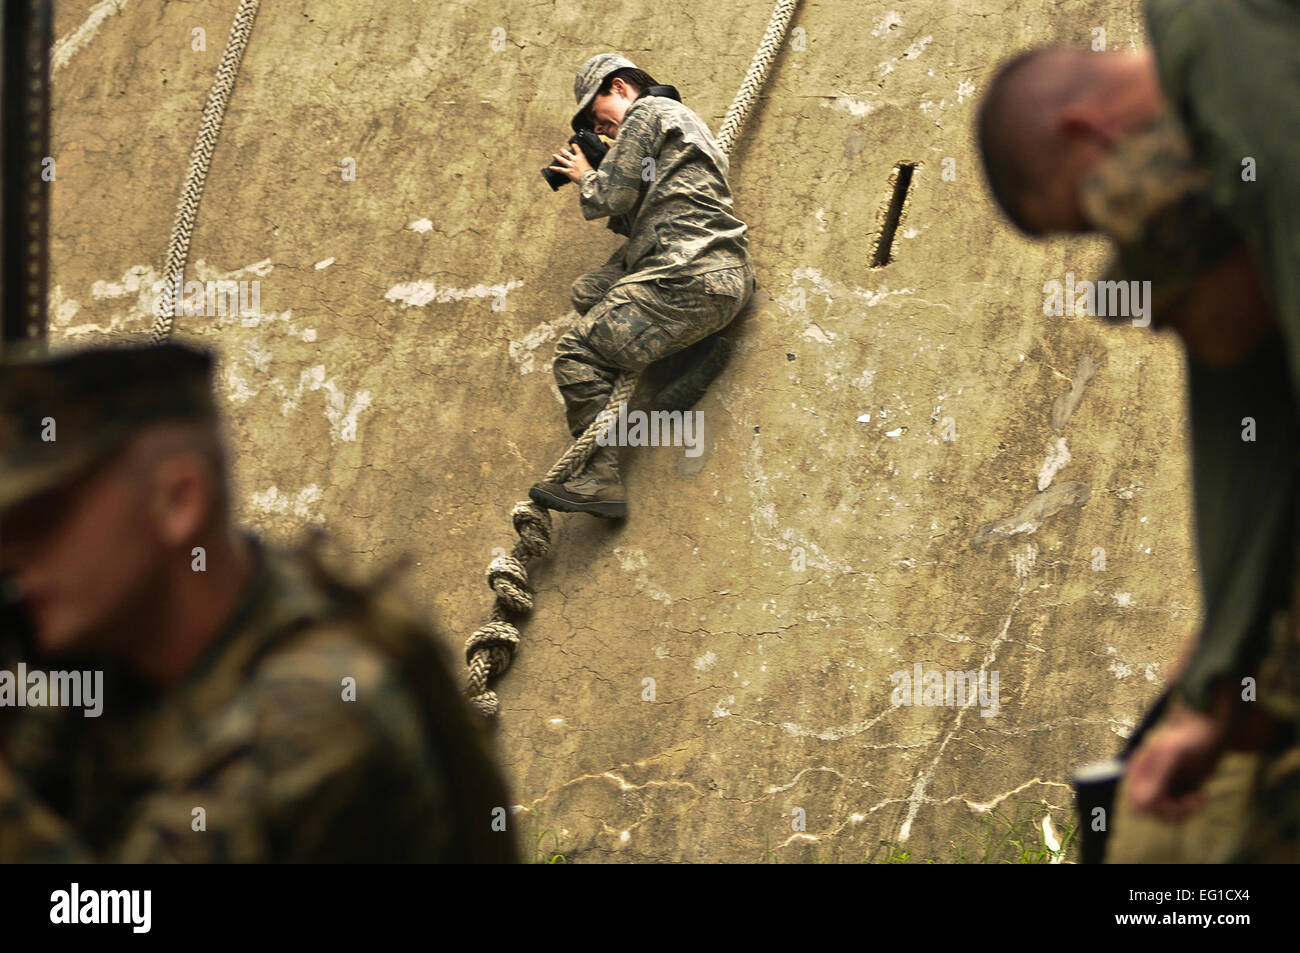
[341, 413]
[62, 310]
[705, 661]
[856, 107]
[301, 504]
[964, 89]
[1050, 840]
[1023, 561]
[635, 561]
[322, 265]
[416, 294]
[1058, 455]
[421, 225]
[891, 20]
[917, 48]
[523, 351]
[67, 47]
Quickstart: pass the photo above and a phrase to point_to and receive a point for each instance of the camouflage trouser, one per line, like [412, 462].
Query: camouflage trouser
[1251, 815]
[1272, 833]
[1206, 837]
[627, 327]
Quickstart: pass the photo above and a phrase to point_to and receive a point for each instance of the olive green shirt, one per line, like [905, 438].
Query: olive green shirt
[1231, 70]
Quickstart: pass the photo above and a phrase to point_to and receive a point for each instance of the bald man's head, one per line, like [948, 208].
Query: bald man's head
[1048, 116]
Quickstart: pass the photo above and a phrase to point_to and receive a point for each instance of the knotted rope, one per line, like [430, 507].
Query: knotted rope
[488, 652]
[187, 209]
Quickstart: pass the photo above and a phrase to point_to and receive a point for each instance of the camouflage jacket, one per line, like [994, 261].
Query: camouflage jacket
[258, 755]
[664, 183]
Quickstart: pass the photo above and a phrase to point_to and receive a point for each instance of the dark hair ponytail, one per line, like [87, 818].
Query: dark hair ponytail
[630, 75]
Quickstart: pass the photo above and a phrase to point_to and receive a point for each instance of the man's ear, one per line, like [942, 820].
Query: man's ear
[184, 496]
[1083, 122]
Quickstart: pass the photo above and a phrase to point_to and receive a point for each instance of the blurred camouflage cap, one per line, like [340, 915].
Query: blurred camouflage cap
[1154, 200]
[60, 413]
[587, 82]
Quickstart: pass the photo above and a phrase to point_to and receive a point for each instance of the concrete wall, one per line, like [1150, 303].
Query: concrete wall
[905, 465]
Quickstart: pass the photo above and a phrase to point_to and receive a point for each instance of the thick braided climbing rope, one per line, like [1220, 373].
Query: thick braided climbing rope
[489, 650]
[187, 210]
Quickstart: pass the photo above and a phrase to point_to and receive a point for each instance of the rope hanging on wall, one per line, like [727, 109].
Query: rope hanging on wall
[489, 650]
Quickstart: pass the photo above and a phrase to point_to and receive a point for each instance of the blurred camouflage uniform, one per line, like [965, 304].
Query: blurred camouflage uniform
[1228, 70]
[257, 734]
[684, 272]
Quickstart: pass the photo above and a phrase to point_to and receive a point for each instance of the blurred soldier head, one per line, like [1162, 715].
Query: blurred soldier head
[606, 85]
[1080, 141]
[1049, 116]
[111, 475]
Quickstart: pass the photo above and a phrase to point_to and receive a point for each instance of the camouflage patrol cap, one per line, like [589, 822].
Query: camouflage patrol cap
[61, 413]
[587, 82]
[1153, 199]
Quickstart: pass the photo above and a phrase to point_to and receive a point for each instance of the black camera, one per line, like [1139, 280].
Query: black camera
[591, 144]
[592, 147]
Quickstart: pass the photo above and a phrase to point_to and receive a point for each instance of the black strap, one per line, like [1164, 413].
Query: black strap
[669, 91]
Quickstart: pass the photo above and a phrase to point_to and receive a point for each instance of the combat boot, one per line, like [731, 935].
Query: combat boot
[703, 362]
[597, 490]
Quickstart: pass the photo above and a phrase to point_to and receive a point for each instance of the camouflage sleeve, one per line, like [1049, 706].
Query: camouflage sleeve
[300, 770]
[615, 187]
[30, 832]
[620, 225]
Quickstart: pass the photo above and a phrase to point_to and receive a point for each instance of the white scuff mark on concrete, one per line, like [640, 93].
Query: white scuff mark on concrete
[146, 284]
[1058, 455]
[964, 89]
[855, 107]
[896, 432]
[887, 23]
[763, 520]
[421, 225]
[322, 265]
[838, 733]
[416, 294]
[820, 216]
[864, 419]
[62, 310]
[68, 47]
[985, 806]
[1050, 840]
[1120, 668]
[814, 333]
[705, 661]
[826, 288]
[722, 708]
[237, 387]
[256, 356]
[341, 413]
[918, 795]
[301, 504]
[636, 562]
[522, 351]
[1024, 560]
[917, 48]
[1123, 599]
